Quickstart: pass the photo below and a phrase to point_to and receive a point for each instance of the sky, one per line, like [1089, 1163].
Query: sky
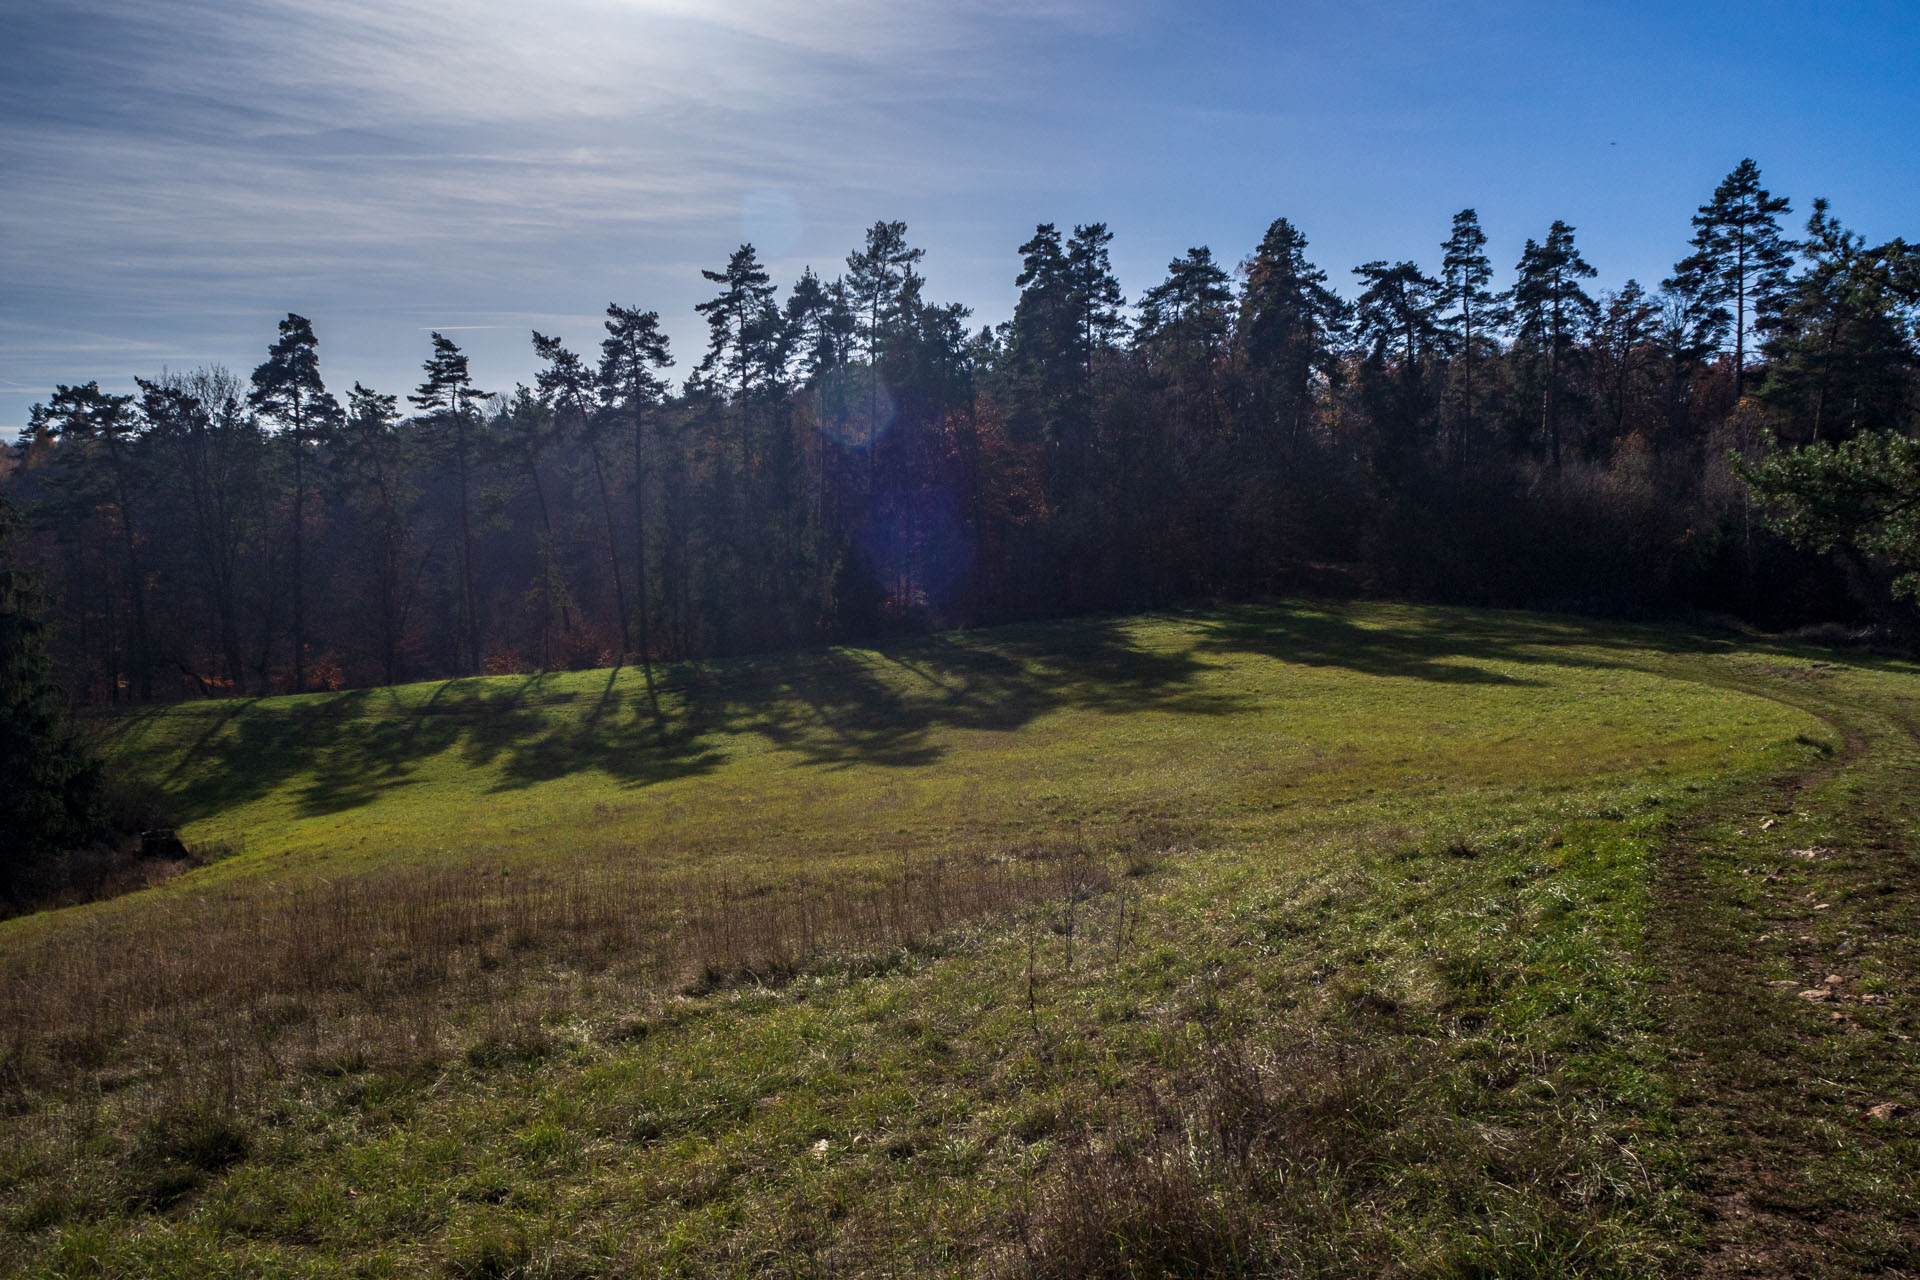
[177, 175]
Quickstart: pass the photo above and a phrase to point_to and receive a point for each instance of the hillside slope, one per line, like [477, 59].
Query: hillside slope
[1261, 939]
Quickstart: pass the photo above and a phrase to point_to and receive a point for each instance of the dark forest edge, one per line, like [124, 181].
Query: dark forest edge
[853, 461]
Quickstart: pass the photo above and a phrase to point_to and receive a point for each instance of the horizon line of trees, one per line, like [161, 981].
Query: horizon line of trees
[852, 460]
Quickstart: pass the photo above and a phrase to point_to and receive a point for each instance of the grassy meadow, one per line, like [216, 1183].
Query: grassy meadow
[1333, 940]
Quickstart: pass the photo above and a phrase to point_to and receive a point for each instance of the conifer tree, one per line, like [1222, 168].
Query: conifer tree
[567, 386]
[878, 276]
[1740, 257]
[1843, 346]
[370, 459]
[737, 320]
[287, 390]
[1289, 324]
[93, 425]
[1187, 314]
[1624, 350]
[1398, 313]
[1397, 322]
[527, 427]
[1476, 312]
[1042, 356]
[448, 396]
[819, 325]
[631, 356]
[1550, 311]
[1094, 293]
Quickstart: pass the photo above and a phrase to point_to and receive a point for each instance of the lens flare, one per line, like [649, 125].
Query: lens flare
[854, 407]
[917, 541]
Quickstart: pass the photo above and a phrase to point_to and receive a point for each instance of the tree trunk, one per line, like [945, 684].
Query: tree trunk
[640, 546]
[466, 549]
[299, 572]
[613, 551]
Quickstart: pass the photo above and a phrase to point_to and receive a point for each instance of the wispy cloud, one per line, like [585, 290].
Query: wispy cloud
[175, 174]
[209, 162]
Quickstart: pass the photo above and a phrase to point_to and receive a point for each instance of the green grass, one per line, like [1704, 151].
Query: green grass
[1321, 939]
[959, 739]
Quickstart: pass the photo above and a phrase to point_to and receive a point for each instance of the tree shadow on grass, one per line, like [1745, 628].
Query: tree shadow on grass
[1449, 646]
[837, 708]
[827, 708]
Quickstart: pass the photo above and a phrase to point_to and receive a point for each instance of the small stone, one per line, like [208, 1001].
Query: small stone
[1816, 994]
[1889, 1111]
[1822, 906]
[1833, 980]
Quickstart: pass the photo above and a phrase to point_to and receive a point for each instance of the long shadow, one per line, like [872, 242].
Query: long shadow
[837, 708]
[1449, 646]
[827, 708]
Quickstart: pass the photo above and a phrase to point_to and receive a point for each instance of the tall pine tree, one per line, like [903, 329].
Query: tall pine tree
[568, 387]
[448, 396]
[1290, 324]
[631, 356]
[1551, 310]
[287, 390]
[1475, 313]
[1739, 257]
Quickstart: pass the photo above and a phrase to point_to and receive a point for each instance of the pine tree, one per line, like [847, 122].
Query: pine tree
[448, 397]
[1739, 256]
[1042, 358]
[527, 426]
[1550, 311]
[631, 356]
[1187, 315]
[1624, 351]
[1397, 322]
[95, 428]
[49, 781]
[1289, 324]
[567, 386]
[1094, 294]
[878, 277]
[1398, 313]
[1842, 347]
[370, 459]
[1476, 312]
[819, 327]
[736, 320]
[287, 389]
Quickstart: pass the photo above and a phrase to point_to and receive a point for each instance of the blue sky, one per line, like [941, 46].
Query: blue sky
[175, 175]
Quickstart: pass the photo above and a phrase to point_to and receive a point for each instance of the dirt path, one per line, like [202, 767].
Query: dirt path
[1785, 923]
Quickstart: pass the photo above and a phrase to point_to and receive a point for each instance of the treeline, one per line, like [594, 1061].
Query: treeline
[852, 459]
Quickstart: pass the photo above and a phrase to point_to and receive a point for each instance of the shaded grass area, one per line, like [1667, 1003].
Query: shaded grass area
[1259, 941]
